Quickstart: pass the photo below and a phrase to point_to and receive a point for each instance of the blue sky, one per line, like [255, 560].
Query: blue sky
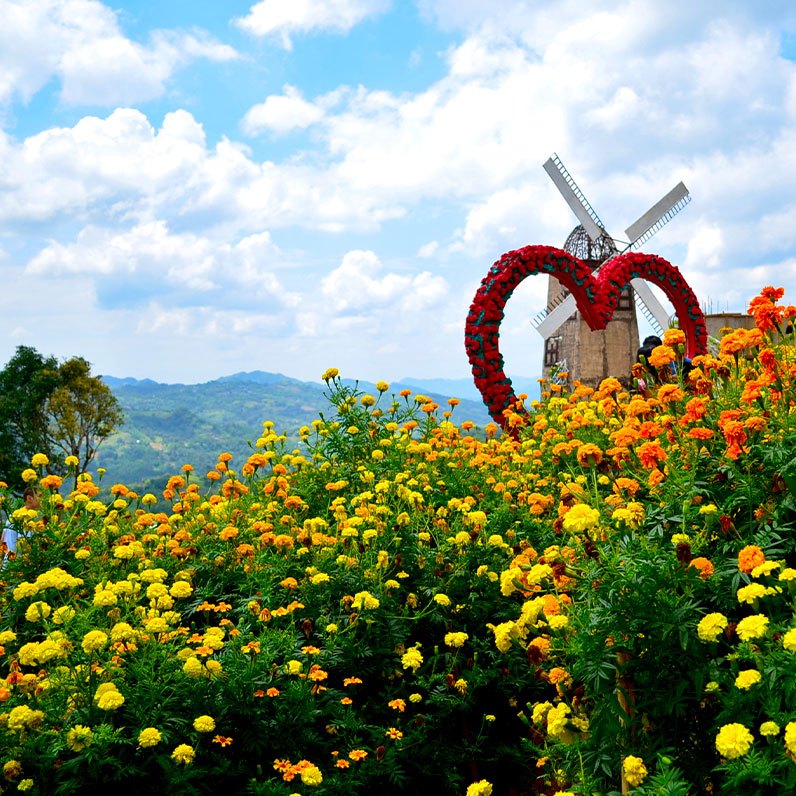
[189, 190]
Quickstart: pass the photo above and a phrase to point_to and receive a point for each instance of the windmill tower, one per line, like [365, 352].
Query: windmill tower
[570, 344]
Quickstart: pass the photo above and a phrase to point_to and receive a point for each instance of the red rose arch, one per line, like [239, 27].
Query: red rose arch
[596, 297]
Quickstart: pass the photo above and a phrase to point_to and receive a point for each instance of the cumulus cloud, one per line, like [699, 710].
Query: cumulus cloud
[356, 285]
[282, 18]
[281, 113]
[80, 43]
[148, 259]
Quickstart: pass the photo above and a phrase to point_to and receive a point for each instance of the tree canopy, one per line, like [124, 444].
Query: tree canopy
[58, 409]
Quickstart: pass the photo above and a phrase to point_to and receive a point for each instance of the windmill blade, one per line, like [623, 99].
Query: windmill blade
[574, 197]
[660, 214]
[651, 308]
[557, 316]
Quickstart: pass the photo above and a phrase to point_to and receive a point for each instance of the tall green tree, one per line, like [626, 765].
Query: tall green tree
[56, 409]
[26, 383]
[81, 411]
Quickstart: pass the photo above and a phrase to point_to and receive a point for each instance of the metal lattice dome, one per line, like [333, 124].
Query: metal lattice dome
[580, 245]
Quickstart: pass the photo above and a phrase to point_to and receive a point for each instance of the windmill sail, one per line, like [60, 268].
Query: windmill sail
[660, 214]
[574, 197]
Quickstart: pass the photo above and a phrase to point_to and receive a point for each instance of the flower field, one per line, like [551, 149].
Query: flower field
[599, 601]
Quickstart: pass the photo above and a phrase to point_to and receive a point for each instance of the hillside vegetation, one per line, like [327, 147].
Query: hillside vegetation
[168, 425]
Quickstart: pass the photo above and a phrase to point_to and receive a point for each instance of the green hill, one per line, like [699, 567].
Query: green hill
[169, 425]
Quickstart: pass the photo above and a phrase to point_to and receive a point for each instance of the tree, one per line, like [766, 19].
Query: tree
[26, 382]
[81, 411]
[56, 409]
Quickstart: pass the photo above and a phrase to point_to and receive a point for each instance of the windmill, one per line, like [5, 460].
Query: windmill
[591, 355]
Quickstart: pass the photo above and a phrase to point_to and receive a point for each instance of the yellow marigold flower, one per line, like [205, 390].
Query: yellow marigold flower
[157, 624]
[752, 627]
[93, 641]
[734, 740]
[790, 737]
[331, 628]
[747, 678]
[71, 461]
[29, 476]
[557, 622]
[481, 788]
[768, 728]
[456, 639]
[37, 611]
[710, 627]
[12, 769]
[79, 737]
[382, 386]
[754, 591]
[193, 667]
[329, 374]
[634, 770]
[412, 659]
[365, 601]
[149, 737]
[63, 614]
[415, 698]
[24, 590]
[105, 598]
[107, 697]
[39, 460]
[442, 599]
[310, 774]
[25, 785]
[183, 754]
[204, 724]
[581, 518]
[181, 589]
[712, 687]
[789, 640]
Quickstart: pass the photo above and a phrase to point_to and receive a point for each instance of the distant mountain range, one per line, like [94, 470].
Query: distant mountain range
[169, 425]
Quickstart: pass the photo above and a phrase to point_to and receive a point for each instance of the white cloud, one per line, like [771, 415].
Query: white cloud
[80, 43]
[705, 248]
[355, 286]
[285, 17]
[149, 257]
[281, 113]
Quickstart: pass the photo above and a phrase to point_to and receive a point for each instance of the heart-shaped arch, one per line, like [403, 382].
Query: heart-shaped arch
[596, 297]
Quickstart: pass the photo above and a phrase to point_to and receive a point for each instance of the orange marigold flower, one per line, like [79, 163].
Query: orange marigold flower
[704, 566]
[673, 336]
[589, 455]
[661, 356]
[222, 740]
[650, 453]
[750, 557]
[357, 754]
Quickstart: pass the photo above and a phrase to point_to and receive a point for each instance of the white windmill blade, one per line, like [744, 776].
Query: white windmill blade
[650, 306]
[658, 215]
[574, 197]
[557, 316]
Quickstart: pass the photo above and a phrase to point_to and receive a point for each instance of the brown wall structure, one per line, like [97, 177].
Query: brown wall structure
[591, 356]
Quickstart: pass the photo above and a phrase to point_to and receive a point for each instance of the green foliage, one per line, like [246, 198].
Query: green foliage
[54, 409]
[26, 382]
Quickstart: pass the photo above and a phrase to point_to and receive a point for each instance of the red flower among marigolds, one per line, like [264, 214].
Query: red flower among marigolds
[597, 298]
